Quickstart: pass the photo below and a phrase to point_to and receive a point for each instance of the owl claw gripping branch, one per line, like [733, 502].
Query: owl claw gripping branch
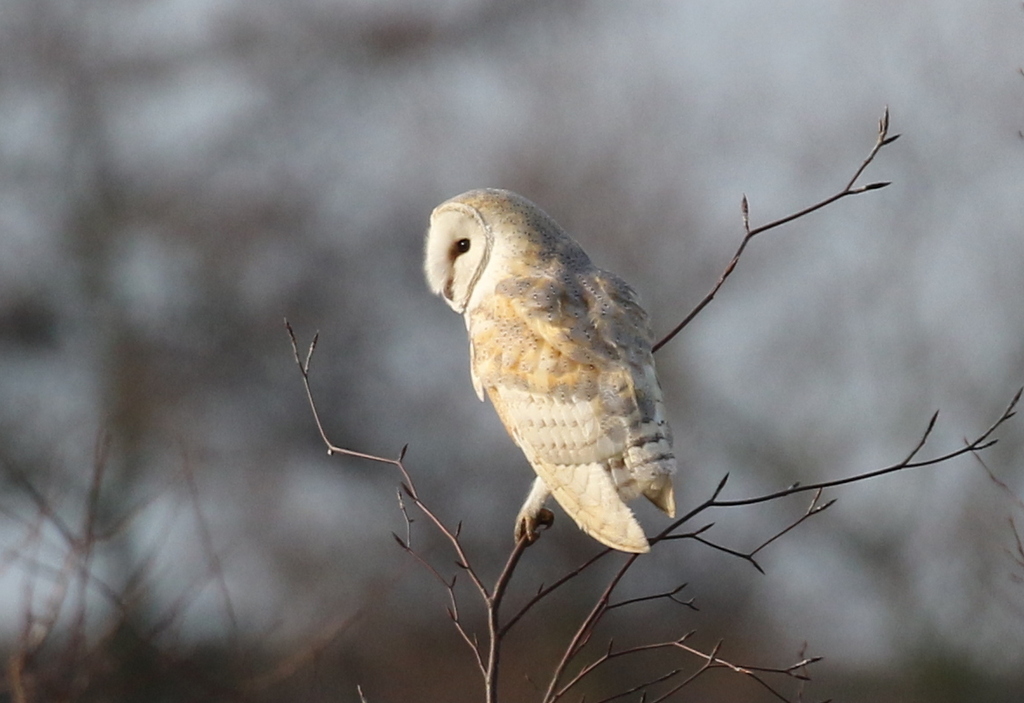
[563, 350]
[527, 524]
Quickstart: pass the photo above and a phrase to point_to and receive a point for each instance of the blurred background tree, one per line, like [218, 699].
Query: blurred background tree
[176, 176]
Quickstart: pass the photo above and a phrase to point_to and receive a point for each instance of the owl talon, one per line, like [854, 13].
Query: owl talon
[526, 527]
[545, 518]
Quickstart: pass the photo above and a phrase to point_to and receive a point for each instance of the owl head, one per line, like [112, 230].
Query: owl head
[458, 247]
[483, 235]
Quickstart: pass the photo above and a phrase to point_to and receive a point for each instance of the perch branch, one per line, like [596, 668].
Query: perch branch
[492, 597]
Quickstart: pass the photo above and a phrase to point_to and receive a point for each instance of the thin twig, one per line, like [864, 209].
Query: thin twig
[545, 591]
[665, 595]
[812, 509]
[586, 628]
[882, 140]
[491, 598]
[712, 660]
[611, 653]
[980, 443]
[747, 557]
[1018, 556]
[304, 370]
[77, 639]
[708, 664]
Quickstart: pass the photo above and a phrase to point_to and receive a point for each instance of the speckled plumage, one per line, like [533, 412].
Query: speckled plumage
[563, 350]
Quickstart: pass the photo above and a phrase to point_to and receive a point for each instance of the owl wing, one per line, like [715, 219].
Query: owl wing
[558, 357]
[557, 439]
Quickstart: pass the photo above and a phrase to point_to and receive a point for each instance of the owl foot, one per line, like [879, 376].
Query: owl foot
[526, 525]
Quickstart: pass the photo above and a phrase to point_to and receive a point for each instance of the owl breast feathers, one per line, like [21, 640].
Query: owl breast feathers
[563, 350]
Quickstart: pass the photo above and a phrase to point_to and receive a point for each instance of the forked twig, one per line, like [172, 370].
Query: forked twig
[665, 595]
[585, 630]
[813, 509]
[980, 443]
[883, 139]
[492, 597]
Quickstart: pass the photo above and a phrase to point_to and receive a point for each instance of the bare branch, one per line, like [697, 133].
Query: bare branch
[545, 591]
[749, 558]
[495, 631]
[980, 443]
[1018, 555]
[999, 482]
[291, 665]
[712, 660]
[812, 509]
[586, 628]
[492, 601]
[883, 139]
[611, 653]
[206, 540]
[304, 370]
[666, 595]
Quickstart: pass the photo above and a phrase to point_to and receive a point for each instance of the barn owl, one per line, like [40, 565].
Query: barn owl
[563, 351]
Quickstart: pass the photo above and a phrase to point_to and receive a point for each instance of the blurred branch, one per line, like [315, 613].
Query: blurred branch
[1000, 483]
[1018, 558]
[206, 540]
[1017, 555]
[1020, 132]
[289, 666]
[89, 652]
[883, 139]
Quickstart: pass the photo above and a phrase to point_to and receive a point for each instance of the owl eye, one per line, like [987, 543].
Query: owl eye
[462, 246]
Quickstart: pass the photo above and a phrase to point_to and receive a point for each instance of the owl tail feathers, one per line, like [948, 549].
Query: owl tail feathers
[660, 493]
